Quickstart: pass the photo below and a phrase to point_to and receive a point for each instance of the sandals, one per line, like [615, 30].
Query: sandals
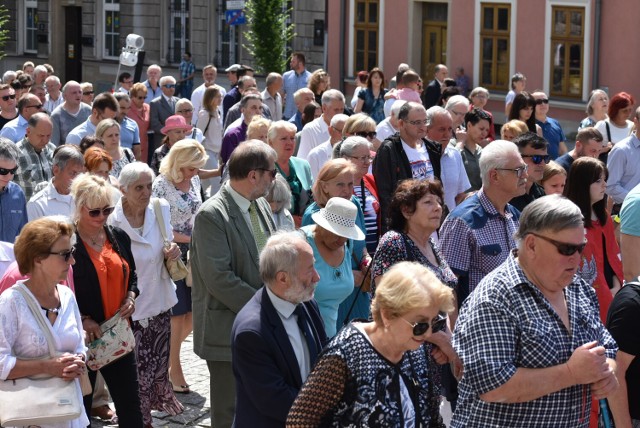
[180, 389]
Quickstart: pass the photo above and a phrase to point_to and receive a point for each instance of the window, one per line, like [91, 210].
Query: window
[495, 29]
[365, 29]
[567, 48]
[31, 27]
[179, 29]
[111, 27]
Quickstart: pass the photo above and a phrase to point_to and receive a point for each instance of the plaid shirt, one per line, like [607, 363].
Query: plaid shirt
[507, 324]
[475, 239]
[33, 168]
[186, 69]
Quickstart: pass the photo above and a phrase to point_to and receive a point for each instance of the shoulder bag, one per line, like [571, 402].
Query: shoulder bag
[38, 400]
[177, 269]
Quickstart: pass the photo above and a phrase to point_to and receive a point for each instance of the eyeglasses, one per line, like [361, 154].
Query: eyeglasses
[5, 171]
[562, 247]
[519, 171]
[272, 171]
[127, 81]
[67, 254]
[87, 93]
[542, 101]
[36, 106]
[418, 122]
[367, 134]
[365, 159]
[420, 328]
[185, 111]
[169, 86]
[8, 97]
[97, 211]
[339, 130]
[538, 159]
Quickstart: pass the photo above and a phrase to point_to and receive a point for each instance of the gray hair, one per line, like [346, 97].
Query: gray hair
[332, 95]
[553, 213]
[494, 156]
[164, 80]
[350, 144]
[338, 118]
[479, 90]
[456, 101]
[181, 102]
[8, 76]
[8, 150]
[396, 106]
[40, 69]
[67, 153]
[53, 79]
[434, 111]
[132, 172]
[280, 254]
[272, 78]
[122, 96]
[280, 194]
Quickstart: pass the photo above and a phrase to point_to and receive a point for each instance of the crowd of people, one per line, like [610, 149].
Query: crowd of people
[350, 263]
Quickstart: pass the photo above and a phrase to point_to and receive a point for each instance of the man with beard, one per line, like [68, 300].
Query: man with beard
[209, 74]
[276, 337]
[229, 232]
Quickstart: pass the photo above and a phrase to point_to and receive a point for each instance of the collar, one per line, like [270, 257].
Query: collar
[54, 194]
[242, 202]
[634, 139]
[166, 98]
[282, 306]
[487, 205]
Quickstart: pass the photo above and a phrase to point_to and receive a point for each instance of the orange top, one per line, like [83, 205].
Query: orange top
[113, 274]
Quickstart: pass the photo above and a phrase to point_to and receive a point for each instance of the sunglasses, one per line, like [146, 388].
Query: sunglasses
[562, 247]
[8, 97]
[272, 171]
[169, 86]
[5, 171]
[542, 101]
[87, 93]
[36, 106]
[370, 135]
[96, 212]
[538, 159]
[67, 254]
[420, 328]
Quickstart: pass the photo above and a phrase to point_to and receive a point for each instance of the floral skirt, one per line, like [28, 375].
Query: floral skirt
[152, 354]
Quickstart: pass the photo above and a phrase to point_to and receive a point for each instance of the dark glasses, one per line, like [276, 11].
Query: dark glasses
[272, 171]
[562, 247]
[420, 328]
[36, 106]
[87, 93]
[67, 254]
[96, 212]
[538, 159]
[169, 86]
[542, 101]
[5, 171]
[8, 97]
[370, 135]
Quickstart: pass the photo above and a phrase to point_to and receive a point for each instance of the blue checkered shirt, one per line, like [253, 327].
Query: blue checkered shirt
[475, 238]
[506, 324]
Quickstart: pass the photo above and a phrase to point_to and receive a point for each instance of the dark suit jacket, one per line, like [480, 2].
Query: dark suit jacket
[431, 94]
[160, 110]
[264, 364]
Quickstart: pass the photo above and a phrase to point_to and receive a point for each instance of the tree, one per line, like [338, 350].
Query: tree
[4, 31]
[268, 34]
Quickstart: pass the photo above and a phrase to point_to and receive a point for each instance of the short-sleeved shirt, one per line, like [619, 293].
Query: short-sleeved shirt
[630, 213]
[471, 161]
[552, 132]
[15, 130]
[291, 82]
[80, 131]
[129, 133]
[508, 324]
[565, 161]
[421, 167]
[33, 167]
[49, 202]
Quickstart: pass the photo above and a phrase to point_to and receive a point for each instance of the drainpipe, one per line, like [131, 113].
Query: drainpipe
[343, 31]
[595, 80]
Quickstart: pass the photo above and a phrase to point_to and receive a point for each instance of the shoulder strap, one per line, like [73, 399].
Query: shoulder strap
[606, 123]
[42, 322]
[160, 218]
[206, 128]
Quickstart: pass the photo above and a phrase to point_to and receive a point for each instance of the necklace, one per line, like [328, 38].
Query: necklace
[55, 310]
[96, 240]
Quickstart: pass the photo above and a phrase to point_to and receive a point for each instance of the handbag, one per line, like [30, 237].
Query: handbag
[38, 400]
[177, 268]
[116, 341]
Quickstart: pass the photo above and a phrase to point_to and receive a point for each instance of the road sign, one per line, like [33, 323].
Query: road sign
[235, 4]
[235, 17]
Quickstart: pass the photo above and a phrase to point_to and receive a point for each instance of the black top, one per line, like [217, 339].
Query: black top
[536, 191]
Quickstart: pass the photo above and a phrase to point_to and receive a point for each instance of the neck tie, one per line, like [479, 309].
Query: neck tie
[303, 323]
[258, 234]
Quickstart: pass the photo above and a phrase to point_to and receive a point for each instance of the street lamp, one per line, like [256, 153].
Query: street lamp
[129, 55]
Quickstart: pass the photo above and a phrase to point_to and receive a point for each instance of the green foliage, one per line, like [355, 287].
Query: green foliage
[4, 31]
[268, 34]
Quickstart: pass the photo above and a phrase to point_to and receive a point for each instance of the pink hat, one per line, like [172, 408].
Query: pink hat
[175, 122]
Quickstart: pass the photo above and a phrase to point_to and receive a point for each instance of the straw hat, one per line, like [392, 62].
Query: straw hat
[175, 122]
[339, 218]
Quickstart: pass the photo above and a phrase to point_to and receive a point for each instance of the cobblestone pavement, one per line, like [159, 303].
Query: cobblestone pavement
[196, 404]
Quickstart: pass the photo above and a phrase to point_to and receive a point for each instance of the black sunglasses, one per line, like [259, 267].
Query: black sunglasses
[36, 106]
[96, 212]
[538, 159]
[273, 172]
[67, 254]
[5, 171]
[542, 101]
[370, 135]
[8, 97]
[420, 328]
[87, 93]
[169, 86]
[562, 247]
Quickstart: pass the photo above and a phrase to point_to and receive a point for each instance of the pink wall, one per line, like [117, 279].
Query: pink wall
[460, 51]
[333, 42]
[396, 41]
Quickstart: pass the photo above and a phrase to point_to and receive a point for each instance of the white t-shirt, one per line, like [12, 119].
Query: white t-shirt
[617, 133]
[421, 167]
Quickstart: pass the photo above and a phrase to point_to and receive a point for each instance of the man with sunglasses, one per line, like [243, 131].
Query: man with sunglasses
[13, 204]
[533, 150]
[551, 129]
[16, 129]
[8, 110]
[71, 113]
[530, 337]
[163, 106]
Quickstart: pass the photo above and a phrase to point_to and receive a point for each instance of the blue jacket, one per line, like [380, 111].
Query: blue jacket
[13, 212]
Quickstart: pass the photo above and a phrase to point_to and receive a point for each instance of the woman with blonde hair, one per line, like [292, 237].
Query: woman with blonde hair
[258, 129]
[553, 179]
[319, 81]
[512, 129]
[361, 125]
[179, 184]
[109, 131]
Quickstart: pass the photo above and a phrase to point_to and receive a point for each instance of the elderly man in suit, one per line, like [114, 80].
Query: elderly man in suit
[163, 107]
[229, 232]
[276, 337]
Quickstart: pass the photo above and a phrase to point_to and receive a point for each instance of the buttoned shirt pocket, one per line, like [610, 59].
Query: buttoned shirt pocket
[492, 257]
[538, 343]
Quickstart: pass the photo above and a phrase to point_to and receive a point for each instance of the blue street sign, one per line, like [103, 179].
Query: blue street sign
[235, 17]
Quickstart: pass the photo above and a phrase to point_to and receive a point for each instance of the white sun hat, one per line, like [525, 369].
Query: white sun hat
[339, 218]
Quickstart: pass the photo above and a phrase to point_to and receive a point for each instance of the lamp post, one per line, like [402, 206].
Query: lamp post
[129, 55]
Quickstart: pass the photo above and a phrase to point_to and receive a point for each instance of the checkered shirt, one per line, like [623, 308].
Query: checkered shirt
[475, 239]
[507, 324]
[33, 168]
[186, 68]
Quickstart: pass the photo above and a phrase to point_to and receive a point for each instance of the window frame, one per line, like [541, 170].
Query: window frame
[184, 14]
[351, 41]
[30, 4]
[496, 36]
[110, 7]
[366, 27]
[567, 39]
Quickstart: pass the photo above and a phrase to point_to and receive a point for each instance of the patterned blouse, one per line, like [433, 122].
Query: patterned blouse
[126, 157]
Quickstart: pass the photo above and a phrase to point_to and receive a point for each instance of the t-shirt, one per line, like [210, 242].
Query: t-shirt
[565, 161]
[4, 121]
[630, 213]
[421, 168]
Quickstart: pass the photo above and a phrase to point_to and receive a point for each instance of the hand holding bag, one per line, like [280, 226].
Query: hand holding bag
[116, 341]
[38, 400]
[177, 269]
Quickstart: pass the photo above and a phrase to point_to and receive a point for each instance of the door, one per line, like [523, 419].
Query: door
[72, 44]
[434, 38]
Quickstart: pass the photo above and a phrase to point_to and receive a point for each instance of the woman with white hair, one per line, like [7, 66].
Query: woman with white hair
[135, 213]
